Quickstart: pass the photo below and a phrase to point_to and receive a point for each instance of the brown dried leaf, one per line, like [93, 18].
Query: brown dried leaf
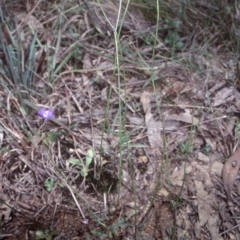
[224, 95]
[154, 132]
[87, 63]
[135, 120]
[230, 171]
[153, 127]
[145, 100]
[184, 117]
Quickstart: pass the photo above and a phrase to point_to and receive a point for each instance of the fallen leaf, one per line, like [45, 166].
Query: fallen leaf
[223, 96]
[154, 132]
[153, 127]
[217, 168]
[205, 202]
[203, 157]
[136, 120]
[184, 117]
[178, 176]
[217, 86]
[104, 95]
[211, 142]
[145, 100]
[230, 171]
[171, 125]
[87, 63]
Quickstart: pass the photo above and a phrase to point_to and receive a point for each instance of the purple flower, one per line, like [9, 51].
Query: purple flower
[85, 221]
[45, 114]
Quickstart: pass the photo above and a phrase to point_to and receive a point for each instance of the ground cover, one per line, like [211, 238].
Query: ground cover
[119, 119]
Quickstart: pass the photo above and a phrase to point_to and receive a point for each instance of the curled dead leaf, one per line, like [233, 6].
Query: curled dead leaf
[230, 171]
[145, 100]
[153, 127]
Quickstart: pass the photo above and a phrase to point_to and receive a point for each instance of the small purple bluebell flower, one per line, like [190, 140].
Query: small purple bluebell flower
[46, 114]
[85, 221]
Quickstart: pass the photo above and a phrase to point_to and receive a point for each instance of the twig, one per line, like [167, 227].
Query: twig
[74, 198]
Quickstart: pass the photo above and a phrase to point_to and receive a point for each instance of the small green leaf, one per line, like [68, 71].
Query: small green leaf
[88, 161]
[75, 161]
[84, 171]
[89, 157]
[90, 153]
[43, 235]
[98, 234]
[45, 141]
[167, 40]
[179, 45]
[48, 184]
[52, 137]
[176, 24]
[120, 223]
[39, 235]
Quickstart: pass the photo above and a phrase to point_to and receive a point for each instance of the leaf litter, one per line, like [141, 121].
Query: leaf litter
[230, 171]
[194, 104]
[153, 127]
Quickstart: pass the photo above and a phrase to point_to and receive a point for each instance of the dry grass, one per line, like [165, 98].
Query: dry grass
[116, 80]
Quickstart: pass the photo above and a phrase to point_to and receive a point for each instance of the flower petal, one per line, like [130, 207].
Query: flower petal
[45, 113]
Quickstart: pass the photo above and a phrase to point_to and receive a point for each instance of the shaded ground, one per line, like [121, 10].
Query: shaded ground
[156, 105]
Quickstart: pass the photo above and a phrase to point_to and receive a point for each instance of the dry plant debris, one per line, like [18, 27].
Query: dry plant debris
[116, 126]
[153, 127]
[230, 171]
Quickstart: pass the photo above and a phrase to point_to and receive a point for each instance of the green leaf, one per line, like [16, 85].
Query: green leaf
[87, 236]
[45, 141]
[39, 235]
[43, 235]
[179, 45]
[89, 157]
[88, 161]
[84, 171]
[120, 223]
[48, 184]
[176, 24]
[167, 40]
[75, 161]
[98, 234]
[52, 137]
[90, 153]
